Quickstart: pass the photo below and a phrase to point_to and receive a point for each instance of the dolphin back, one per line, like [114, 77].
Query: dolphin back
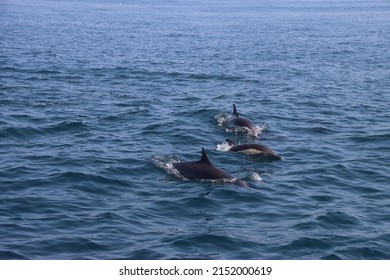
[198, 170]
[235, 121]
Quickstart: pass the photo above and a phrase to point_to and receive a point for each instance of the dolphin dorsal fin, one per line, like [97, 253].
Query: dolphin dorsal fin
[205, 158]
[235, 110]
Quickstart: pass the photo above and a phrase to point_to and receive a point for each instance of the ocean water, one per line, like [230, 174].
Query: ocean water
[99, 98]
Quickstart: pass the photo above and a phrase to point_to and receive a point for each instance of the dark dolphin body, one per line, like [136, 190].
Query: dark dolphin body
[235, 121]
[203, 169]
[253, 150]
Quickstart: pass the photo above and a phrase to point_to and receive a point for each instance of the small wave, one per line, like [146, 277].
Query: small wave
[369, 252]
[254, 176]
[337, 219]
[70, 245]
[321, 130]
[11, 255]
[371, 138]
[29, 132]
[87, 182]
[66, 126]
[19, 132]
[305, 243]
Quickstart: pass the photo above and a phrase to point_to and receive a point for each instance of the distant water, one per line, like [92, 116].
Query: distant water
[98, 97]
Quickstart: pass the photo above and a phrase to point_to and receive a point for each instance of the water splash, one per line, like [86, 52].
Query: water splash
[166, 163]
[223, 147]
[254, 176]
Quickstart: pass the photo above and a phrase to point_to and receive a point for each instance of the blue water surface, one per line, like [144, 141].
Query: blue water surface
[98, 98]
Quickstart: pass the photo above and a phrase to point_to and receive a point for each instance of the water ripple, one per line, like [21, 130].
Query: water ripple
[90, 125]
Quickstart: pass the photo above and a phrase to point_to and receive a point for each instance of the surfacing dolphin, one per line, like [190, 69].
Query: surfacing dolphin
[204, 169]
[235, 121]
[253, 150]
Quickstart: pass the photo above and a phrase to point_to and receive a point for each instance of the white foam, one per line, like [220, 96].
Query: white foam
[166, 163]
[255, 177]
[258, 129]
[221, 118]
[223, 147]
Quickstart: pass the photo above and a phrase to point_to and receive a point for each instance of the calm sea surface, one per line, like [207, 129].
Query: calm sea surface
[98, 98]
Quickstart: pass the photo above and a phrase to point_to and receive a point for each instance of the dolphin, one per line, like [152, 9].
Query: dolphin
[253, 150]
[204, 169]
[235, 121]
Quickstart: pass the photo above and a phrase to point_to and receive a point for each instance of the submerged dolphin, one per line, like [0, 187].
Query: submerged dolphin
[235, 121]
[203, 169]
[253, 150]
